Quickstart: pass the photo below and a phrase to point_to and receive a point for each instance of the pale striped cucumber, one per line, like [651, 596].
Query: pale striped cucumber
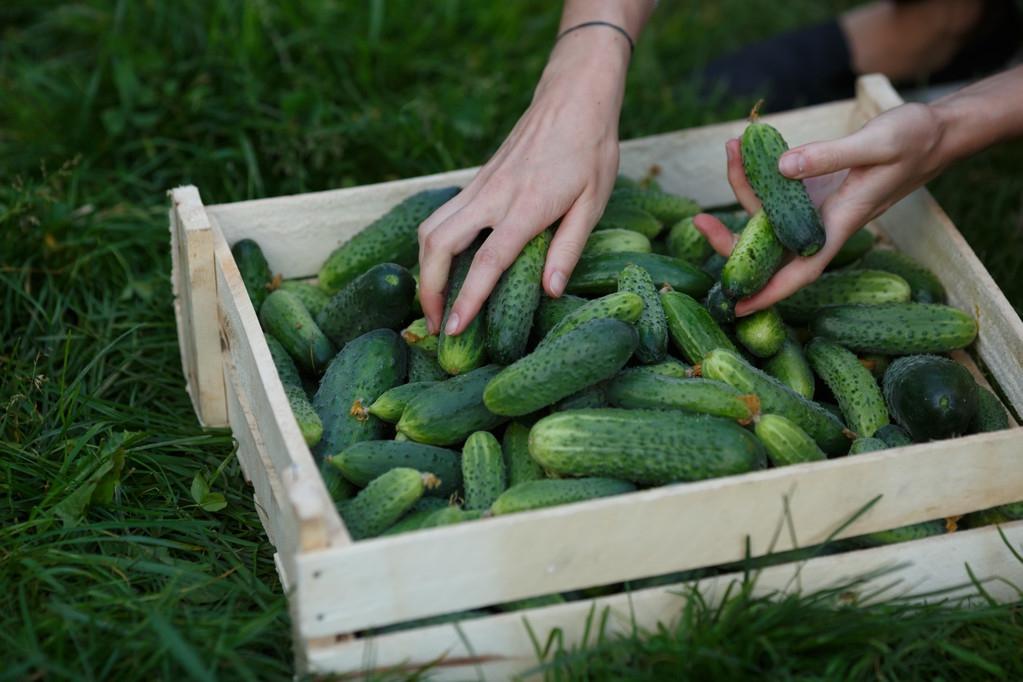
[483, 472]
[867, 444]
[626, 306]
[851, 383]
[761, 333]
[790, 367]
[385, 500]
[668, 208]
[651, 326]
[844, 287]
[519, 466]
[687, 243]
[417, 335]
[924, 284]
[468, 350]
[392, 402]
[362, 462]
[447, 413]
[693, 330]
[550, 492]
[897, 328]
[785, 442]
[754, 259]
[511, 305]
[616, 240]
[638, 389]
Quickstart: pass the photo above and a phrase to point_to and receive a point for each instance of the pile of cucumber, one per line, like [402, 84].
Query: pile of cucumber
[640, 375]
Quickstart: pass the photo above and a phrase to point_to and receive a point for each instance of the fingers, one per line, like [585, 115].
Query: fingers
[866, 147]
[720, 237]
[737, 178]
[567, 245]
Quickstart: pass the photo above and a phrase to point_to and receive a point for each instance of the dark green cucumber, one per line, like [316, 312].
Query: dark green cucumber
[632, 218]
[861, 241]
[643, 446]
[636, 389]
[897, 328]
[513, 302]
[417, 335]
[590, 353]
[790, 367]
[550, 492]
[785, 442]
[713, 266]
[468, 350]
[626, 306]
[917, 531]
[313, 298]
[687, 243]
[852, 384]
[591, 396]
[844, 287]
[423, 367]
[380, 298]
[991, 414]
[867, 444]
[599, 274]
[385, 500]
[720, 305]
[449, 516]
[392, 402]
[735, 221]
[616, 240]
[777, 398]
[651, 326]
[519, 466]
[893, 435]
[668, 208]
[392, 238]
[448, 412]
[762, 333]
[358, 375]
[754, 259]
[286, 369]
[413, 520]
[551, 311]
[285, 318]
[483, 470]
[361, 462]
[693, 330]
[924, 284]
[788, 206]
[308, 421]
[254, 269]
[428, 503]
[930, 396]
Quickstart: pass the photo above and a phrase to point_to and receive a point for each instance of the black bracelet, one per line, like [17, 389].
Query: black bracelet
[632, 45]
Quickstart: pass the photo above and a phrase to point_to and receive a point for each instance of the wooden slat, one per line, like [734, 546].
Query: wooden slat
[502, 648]
[651, 532]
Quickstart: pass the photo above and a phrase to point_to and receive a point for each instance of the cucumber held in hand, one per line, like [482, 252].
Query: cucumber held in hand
[599, 274]
[651, 325]
[511, 306]
[285, 318]
[930, 396]
[796, 222]
[845, 287]
[380, 298]
[417, 335]
[362, 462]
[897, 328]
[254, 269]
[852, 384]
[754, 259]
[468, 350]
[447, 413]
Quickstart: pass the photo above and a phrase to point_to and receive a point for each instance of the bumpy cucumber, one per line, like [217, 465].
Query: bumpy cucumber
[551, 311]
[389, 239]
[468, 350]
[286, 369]
[785, 442]
[917, 531]
[852, 384]
[285, 318]
[591, 396]
[429, 503]
[412, 520]
[636, 389]
[720, 305]
[550, 492]
[713, 266]
[790, 367]
[762, 333]
[417, 335]
[633, 218]
[897, 328]
[925, 286]
[361, 462]
[669, 367]
[615, 240]
[599, 274]
[385, 500]
[845, 287]
[668, 208]
[626, 306]
[313, 298]
[423, 367]
[687, 243]
[693, 330]
[777, 398]
[643, 446]
[651, 326]
[754, 259]
[308, 421]
[448, 412]
[795, 220]
[358, 375]
[930, 396]
[519, 466]
[254, 269]
[854, 247]
[380, 298]
[867, 444]
[392, 402]
[483, 470]
[590, 353]
[893, 435]
[991, 415]
[511, 306]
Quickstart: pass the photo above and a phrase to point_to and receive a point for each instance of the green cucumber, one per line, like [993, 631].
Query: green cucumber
[651, 325]
[754, 259]
[669, 367]
[254, 269]
[423, 367]
[861, 241]
[789, 366]
[893, 435]
[468, 350]
[844, 287]
[924, 284]
[632, 218]
[714, 265]
[991, 414]
[286, 369]
[380, 504]
[626, 306]
[643, 446]
[687, 243]
[417, 335]
[591, 396]
[916, 531]
[285, 318]
[636, 389]
[930, 396]
[668, 208]
[550, 492]
[413, 520]
[867, 444]
[392, 402]
[308, 421]
[392, 238]
[599, 274]
[788, 206]
[720, 305]
[511, 306]
[361, 462]
[427, 503]
[380, 298]
[313, 298]
[447, 413]
[785, 442]
[852, 384]
[897, 328]
[483, 470]
[777, 398]
[590, 353]
[762, 333]
[735, 221]
[691, 326]
[615, 240]
[551, 311]
[519, 466]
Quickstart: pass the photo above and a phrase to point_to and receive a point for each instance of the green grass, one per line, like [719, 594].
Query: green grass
[107, 104]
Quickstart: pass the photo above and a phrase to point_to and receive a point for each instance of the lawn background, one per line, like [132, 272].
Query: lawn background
[104, 106]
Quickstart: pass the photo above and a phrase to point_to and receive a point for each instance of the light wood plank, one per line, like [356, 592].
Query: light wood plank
[503, 645]
[389, 580]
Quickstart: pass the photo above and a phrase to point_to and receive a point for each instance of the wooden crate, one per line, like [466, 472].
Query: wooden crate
[338, 588]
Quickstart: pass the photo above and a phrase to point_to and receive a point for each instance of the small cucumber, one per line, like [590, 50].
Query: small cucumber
[423, 367]
[897, 328]
[991, 414]
[651, 326]
[362, 462]
[308, 421]
[380, 298]
[468, 350]
[720, 305]
[632, 218]
[785, 442]
[693, 330]
[687, 243]
[867, 444]
[762, 333]
[924, 284]
[551, 311]
[599, 274]
[513, 302]
[483, 471]
[313, 298]
[286, 369]
[790, 367]
[626, 306]
[591, 396]
[930, 396]
[852, 384]
[754, 259]
[417, 335]
[285, 318]
[254, 269]
[550, 492]
[413, 520]
[637, 389]
[392, 402]
[616, 240]
[447, 413]
[668, 208]
[893, 435]
[861, 241]
[385, 500]
[713, 266]
[844, 287]
[519, 465]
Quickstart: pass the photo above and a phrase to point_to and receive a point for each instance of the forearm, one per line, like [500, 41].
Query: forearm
[981, 115]
[631, 15]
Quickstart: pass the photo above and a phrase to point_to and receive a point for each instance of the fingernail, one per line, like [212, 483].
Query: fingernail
[452, 326]
[791, 165]
[431, 326]
[557, 283]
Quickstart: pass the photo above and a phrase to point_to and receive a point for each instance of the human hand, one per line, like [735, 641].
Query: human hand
[851, 180]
